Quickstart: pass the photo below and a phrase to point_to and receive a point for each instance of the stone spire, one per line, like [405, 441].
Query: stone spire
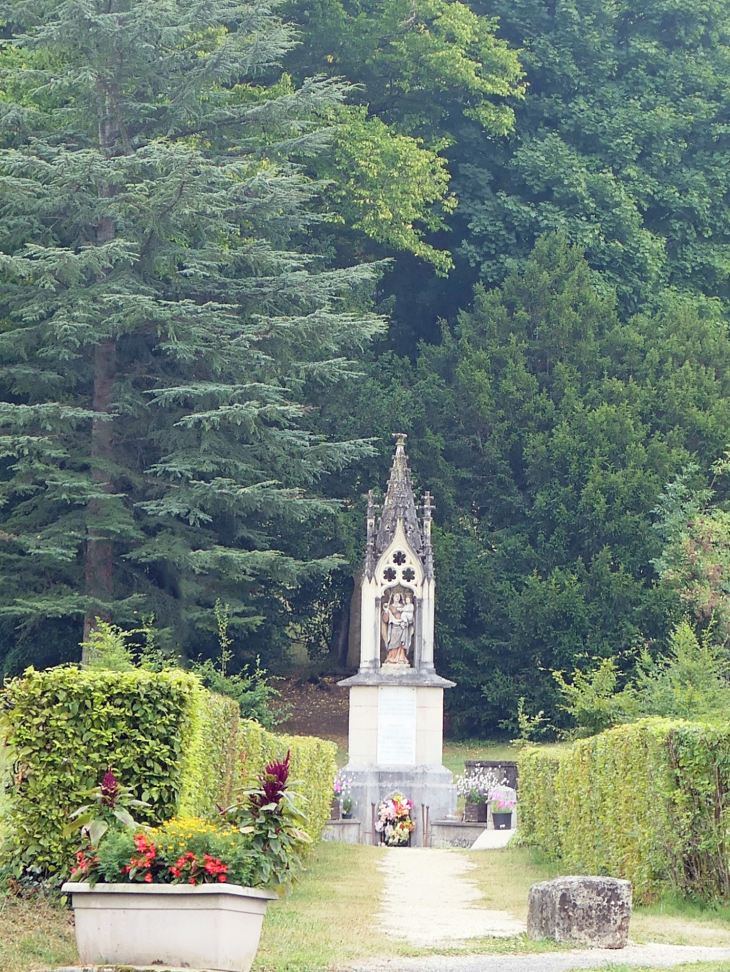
[399, 503]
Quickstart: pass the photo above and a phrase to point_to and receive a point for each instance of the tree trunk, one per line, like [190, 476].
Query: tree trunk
[99, 572]
[99, 577]
[342, 634]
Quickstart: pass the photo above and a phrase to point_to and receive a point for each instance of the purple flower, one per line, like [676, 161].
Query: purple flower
[109, 790]
[273, 783]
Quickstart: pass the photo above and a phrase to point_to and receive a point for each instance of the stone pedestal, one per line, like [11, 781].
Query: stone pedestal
[396, 745]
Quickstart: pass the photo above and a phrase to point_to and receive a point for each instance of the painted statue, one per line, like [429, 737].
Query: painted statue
[398, 619]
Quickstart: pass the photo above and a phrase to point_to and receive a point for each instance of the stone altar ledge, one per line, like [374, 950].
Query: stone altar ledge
[410, 677]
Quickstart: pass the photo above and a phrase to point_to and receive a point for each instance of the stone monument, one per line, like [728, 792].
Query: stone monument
[396, 698]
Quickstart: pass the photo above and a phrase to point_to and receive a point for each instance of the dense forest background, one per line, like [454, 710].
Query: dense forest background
[241, 246]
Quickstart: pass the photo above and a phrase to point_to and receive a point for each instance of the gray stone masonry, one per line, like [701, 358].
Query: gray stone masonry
[342, 831]
[594, 911]
[426, 786]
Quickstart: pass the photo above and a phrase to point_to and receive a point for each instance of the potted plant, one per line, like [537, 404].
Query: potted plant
[190, 893]
[341, 796]
[474, 787]
[502, 802]
[394, 823]
[335, 808]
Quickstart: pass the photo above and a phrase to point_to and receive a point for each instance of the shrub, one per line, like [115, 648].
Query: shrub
[313, 767]
[162, 734]
[648, 801]
[176, 745]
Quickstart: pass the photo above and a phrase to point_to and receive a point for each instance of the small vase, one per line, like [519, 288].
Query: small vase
[475, 813]
[502, 821]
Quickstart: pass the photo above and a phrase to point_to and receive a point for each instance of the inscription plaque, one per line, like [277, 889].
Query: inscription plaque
[396, 726]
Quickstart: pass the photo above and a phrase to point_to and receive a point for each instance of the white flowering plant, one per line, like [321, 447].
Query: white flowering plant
[476, 785]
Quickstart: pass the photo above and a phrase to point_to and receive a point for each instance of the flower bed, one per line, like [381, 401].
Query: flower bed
[213, 876]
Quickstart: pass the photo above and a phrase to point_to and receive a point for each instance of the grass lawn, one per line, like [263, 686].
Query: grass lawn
[456, 752]
[35, 935]
[331, 917]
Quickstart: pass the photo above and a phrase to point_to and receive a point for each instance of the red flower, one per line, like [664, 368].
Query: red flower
[148, 878]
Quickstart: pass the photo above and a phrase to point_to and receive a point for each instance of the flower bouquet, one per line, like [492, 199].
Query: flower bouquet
[394, 822]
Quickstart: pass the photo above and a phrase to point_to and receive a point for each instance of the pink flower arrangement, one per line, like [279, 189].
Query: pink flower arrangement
[394, 822]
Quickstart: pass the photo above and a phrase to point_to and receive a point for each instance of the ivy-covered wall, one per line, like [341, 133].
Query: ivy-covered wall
[648, 801]
[178, 746]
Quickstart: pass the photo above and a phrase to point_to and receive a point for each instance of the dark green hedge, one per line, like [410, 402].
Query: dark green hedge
[648, 801]
[161, 733]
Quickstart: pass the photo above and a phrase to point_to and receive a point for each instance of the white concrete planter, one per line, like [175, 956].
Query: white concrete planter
[212, 926]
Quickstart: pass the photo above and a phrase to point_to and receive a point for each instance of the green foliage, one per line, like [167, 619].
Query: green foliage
[249, 688]
[547, 429]
[426, 76]
[384, 183]
[209, 761]
[646, 801]
[110, 808]
[690, 681]
[313, 767]
[617, 144]
[164, 737]
[107, 648]
[695, 561]
[271, 813]
[160, 330]
[591, 699]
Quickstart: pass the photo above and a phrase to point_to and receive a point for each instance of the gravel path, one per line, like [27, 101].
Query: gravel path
[661, 956]
[429, 901]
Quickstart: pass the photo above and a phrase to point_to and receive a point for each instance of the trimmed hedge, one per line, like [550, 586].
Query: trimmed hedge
[177, 745]
[161, 733]
[648, 801]
[313, 766]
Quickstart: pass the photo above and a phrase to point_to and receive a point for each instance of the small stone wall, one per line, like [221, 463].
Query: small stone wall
[453, 833]
[342, 831]
[504, 768]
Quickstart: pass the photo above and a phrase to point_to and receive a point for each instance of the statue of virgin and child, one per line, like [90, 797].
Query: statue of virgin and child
[398, 619]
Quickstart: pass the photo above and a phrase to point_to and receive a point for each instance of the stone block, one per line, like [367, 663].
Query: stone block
[342, 831]
[591, 910]
[454, 833]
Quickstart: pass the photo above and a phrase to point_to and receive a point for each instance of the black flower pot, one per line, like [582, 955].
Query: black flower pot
[502, 821]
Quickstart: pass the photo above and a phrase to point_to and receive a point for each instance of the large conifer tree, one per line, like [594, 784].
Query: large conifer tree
[158, 326]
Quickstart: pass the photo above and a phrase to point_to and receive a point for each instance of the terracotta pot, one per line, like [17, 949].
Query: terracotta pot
[475, 813]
